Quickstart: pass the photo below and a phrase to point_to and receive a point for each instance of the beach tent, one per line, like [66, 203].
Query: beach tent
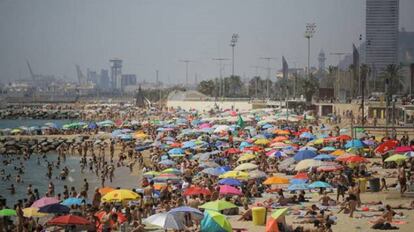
[214, 221]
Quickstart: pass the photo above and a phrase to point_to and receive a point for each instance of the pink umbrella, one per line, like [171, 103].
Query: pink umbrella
[229, 190]
[403, 149]
[45, 201]
[205, 125]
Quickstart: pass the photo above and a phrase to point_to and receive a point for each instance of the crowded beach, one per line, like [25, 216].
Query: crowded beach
[218, 170]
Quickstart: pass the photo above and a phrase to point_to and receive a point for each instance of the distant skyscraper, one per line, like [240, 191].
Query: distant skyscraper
[321, 60]
[116, 73]
[382, 33]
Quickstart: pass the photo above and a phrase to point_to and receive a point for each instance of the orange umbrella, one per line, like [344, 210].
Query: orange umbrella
[276, 180]
[338, 152]
[356, 159]
[282, 132]
[301, 175]
[105, 190]
[280, 139]
[343, 137]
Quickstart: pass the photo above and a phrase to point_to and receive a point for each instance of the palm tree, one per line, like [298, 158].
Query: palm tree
[392, 76]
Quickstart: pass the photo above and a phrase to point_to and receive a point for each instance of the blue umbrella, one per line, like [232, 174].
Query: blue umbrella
[319, 184]
[167, 162]
[54, 208]
[354, 143]
[267, 126]
[185, 209]
[298, 181]
[92, 125]
[307, 135]
[188, 144]
[245, 144]
[125, 137]
[305, 154]
[176, 151]
[324, 157]
[73, 201]
[295, 187]
[229, 181]
[143, 148]
[307, 148]
[214, 171]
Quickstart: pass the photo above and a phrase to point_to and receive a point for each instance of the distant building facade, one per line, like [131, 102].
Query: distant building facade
[382, 18]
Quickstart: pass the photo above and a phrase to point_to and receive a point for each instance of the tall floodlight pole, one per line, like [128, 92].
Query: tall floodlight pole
[268, 74]
[233, 42]
[186, 71]
[221, 67]
[310, 31]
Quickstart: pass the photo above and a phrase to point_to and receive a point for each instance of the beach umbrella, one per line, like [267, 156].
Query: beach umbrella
[120, 195]
[33, 212]
[233, 151]
[167, 162]
[7, 212]
[214, 221]
[338, 152]
[344, 157]
[105, 190]
[209, 164]
[217, 205]
[317, 141]
[229, 190]
[328, 149]
[166, 177]
[319, 184]
[396, 158]
[257, 174]
[171, 171]
[354, 143]
[308, 163]
[246, 166]
[68, 220]
[301, 175]
[73, 201]
[306, 135]
[300, 186]
[221, 128]
[403, 149]
[229, 181]
[188, 144]
[176, 151]
[343, 137]
[324, 157]
[44, 201]
[196, 190]
[280, 139]
[276, 180]
[150, 174]
[410, 154]
[386, 146]
[166, 221]
[187, 210]
[262, 142]
[246, 157]
[297, 181]
[369, 142]
[240, 175]
[54, 208]
[214, 171]
[329, 168]
[304, 154]
[356, 159]
[308, 148]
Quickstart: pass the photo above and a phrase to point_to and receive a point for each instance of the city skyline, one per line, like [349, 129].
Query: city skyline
[156, 35]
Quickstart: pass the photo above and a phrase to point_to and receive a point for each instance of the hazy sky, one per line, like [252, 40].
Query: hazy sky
[55, 35]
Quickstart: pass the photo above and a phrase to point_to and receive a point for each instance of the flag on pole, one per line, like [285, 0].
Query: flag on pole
[240, 122]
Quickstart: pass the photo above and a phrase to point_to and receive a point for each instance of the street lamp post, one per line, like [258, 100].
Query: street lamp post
[220, 63]
[186, 71]
[233, 42]
[310, 31]
[268, 74]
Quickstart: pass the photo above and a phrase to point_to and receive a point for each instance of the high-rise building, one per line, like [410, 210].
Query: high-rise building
[104, 82]
[381, 33]
[321, 60]
[116, 73]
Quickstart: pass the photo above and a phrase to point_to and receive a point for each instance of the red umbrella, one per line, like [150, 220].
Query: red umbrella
[386, 146]
[253, 148]
[121, 217]
[403, 149]
[301, 175]
[357, 159]
[175, 145]
[68, 220]
[329, 168]
[343, 137]
[233, 151]
[196, 190]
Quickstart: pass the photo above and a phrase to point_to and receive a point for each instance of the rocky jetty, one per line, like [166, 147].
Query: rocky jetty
[15, 145]
[32, 113]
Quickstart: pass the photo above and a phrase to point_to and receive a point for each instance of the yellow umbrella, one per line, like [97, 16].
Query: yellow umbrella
[338, 152]
[33, 212]
[262, 142]
[318, 141]
[396, 158]
[276, 180]
[307, 163]
[235, 175]
[140, 135]
[246, 157]
[245, 166]
[120, 195]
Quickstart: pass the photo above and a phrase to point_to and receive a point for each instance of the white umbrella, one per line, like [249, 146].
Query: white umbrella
[221, 128]
[166, 221]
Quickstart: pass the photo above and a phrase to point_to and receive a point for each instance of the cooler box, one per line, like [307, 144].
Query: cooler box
[259, 216]
[362, 184]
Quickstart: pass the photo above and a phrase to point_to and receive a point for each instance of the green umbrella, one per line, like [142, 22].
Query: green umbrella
[7, 212]
[218, 205]
[396, 158]
[279, 212]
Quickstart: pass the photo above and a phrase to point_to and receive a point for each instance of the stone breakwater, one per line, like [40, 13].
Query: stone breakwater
[30, 113]
[18, 145]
